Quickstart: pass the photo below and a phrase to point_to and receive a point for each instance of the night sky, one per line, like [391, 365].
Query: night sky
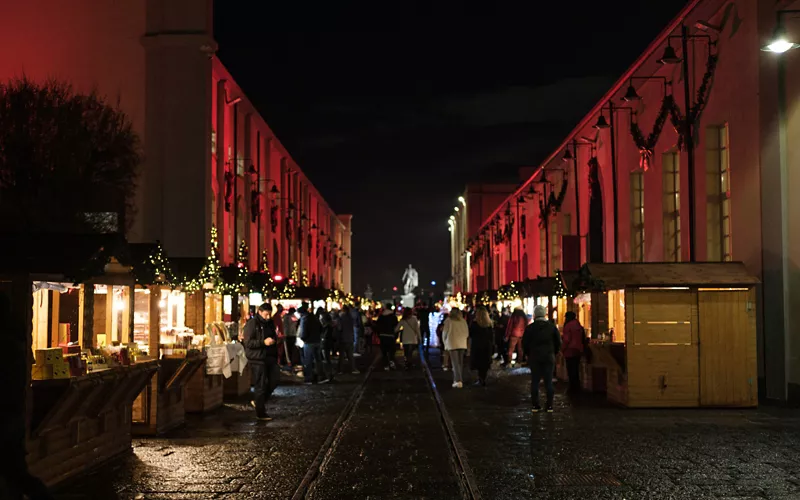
[391, 108]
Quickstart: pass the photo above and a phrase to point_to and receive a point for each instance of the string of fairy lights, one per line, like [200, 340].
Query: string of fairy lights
[210, 278]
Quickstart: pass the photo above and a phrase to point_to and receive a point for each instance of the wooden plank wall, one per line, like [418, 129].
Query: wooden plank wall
[662, 351]
[728, 363]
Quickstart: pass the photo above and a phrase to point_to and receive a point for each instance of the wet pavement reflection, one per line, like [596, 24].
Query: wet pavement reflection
[394, 446]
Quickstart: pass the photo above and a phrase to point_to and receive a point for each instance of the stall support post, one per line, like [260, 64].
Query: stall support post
[87, 340]
[155, 322]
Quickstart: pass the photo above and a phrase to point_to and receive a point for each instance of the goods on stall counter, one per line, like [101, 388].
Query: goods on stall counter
[50, 364]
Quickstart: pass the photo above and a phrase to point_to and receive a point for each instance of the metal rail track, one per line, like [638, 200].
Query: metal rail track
[469, 486]
[325, 453]
[458, 459]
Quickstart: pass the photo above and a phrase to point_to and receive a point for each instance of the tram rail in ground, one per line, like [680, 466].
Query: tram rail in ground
[458, 461]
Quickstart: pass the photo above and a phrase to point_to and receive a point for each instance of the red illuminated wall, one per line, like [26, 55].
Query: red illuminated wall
[157, 59]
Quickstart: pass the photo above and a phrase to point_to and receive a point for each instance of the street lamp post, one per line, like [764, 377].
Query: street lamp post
[603, 124]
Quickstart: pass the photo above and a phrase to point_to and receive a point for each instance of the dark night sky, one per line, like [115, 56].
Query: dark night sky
[390, 108]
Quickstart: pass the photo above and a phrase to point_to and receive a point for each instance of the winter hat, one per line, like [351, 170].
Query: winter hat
[539, 312]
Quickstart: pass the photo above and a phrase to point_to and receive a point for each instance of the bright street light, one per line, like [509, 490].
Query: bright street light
[780, 45]
[462, 200]
[455, 208]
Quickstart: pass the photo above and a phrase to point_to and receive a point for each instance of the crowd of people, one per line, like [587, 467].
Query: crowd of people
[306, 343]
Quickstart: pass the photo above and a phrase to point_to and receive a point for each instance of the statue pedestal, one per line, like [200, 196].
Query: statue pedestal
[408, 300]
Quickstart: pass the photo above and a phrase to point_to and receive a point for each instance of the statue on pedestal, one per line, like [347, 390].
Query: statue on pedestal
[410, 283]
[410, 280]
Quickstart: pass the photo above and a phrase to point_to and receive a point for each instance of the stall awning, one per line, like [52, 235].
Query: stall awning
[617, 276]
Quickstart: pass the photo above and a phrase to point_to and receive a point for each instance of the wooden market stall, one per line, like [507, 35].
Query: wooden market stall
[674, 334]
[75, 306]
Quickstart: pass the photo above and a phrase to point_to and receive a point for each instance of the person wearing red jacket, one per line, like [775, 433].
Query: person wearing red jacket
[572, 349]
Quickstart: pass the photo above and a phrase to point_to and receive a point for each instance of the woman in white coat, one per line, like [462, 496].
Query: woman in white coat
[455, 335]
[410, 334]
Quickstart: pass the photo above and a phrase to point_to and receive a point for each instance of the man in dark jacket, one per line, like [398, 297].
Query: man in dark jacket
[347, 336]
[261, 349]
[541, 341]
[385, 326]
[310, 332]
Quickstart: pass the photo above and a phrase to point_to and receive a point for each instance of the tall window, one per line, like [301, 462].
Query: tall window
[670, 166]
[637, 216]
[718, 190]
[542, 252]
[555, 248]
[240, 226]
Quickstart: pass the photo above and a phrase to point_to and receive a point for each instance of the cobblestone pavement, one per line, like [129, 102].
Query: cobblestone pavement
[227, 453]
[589, 449]
[394, 447]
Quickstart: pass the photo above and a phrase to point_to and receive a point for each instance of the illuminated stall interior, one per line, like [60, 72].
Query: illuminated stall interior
[171, 306]
[111, 315]
[57, 313]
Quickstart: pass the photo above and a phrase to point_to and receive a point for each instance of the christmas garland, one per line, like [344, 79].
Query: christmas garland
[228, 190]
[274, 218]
[255, 206]
[701, 100]
[646, 146]
[559, 200]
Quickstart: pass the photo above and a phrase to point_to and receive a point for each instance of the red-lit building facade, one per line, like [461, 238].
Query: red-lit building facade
[210, 157]
[617, 190]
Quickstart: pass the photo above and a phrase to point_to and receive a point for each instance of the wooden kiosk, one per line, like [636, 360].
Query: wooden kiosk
[673, 335]
[74, 308]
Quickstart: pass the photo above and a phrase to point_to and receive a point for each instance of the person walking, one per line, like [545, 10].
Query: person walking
[481, 334]
[514, 331]
[261, 349]
[385, 326]
[500, 323]
[310, 332]
[409, 335]
[425, 327]
[328, 342]
[290, 334]
[455, 335]
[347, 329]
[572, 349]
[358, 329]
[442, 351]
[542, 342]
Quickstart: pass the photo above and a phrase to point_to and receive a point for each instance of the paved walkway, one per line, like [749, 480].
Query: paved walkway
[394, 447]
